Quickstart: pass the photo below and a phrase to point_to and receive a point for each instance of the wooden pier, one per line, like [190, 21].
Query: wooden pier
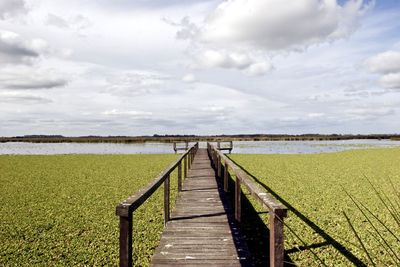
[204, 227]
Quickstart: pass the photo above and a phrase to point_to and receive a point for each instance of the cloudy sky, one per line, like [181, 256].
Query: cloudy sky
[98, 67]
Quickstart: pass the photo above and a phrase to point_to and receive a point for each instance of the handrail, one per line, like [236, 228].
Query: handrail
[176, 147]
[277, 211]
[229, 148]
[126, 208]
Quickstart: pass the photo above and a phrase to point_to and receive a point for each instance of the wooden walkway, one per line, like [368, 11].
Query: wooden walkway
[202, 229]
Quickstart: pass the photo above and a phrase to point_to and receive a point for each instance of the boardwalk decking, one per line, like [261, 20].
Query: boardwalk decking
[202, 230]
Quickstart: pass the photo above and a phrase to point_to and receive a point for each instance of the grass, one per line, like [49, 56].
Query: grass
[315, 188]
[60, 210]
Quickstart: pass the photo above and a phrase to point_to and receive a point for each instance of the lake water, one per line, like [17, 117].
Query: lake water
[308, 147]
[245, 147]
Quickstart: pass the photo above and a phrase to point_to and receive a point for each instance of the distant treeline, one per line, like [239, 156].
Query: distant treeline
[190, 138]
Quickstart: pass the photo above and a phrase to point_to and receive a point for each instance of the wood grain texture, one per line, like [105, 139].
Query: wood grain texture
[202, 229]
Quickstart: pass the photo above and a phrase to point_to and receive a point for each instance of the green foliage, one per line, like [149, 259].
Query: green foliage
[312, 187]
[60, 210]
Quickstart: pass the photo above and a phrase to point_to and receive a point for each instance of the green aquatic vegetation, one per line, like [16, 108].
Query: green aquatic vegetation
[60, 210]
[312, 186]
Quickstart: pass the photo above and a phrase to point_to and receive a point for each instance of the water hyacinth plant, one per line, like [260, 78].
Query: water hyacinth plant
[59, 210]
[384, 233]
[311, 186]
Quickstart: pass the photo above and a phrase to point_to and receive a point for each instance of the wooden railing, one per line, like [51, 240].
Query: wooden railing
[126, 208]
[277, 211]
[180, 146]
[222, 147]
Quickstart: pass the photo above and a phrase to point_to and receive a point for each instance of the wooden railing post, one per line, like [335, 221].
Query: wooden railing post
[166, 200]
[214, 159]
[219, 167]
[226, 173]
[276, 244]
[185, 167]
[238, 195]
[125, 240]
[180, 176]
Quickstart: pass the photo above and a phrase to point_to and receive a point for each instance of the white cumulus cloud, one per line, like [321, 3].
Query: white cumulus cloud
[223, 59]
[258, 69]
[388, 64]
[237, 32]
[246, 62]
[275, 24]
[391, 80]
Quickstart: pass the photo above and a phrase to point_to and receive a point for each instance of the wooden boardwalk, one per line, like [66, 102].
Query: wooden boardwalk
[202, 229]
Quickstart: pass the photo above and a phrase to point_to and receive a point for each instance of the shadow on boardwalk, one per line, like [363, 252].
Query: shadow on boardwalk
[256, 231]
[253, 229]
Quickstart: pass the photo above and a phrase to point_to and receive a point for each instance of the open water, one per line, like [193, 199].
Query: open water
[242, 147]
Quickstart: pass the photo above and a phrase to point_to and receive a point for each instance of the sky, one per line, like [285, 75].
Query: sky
[80, 67]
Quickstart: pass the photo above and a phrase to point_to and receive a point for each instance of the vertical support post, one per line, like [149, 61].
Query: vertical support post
[180, 176]
[166, 200]
[219, 166]
[213, 159]
[189, 159]
[238, 195]
[276, 244]
[185, 167]
[125, 240]
[226, 173]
